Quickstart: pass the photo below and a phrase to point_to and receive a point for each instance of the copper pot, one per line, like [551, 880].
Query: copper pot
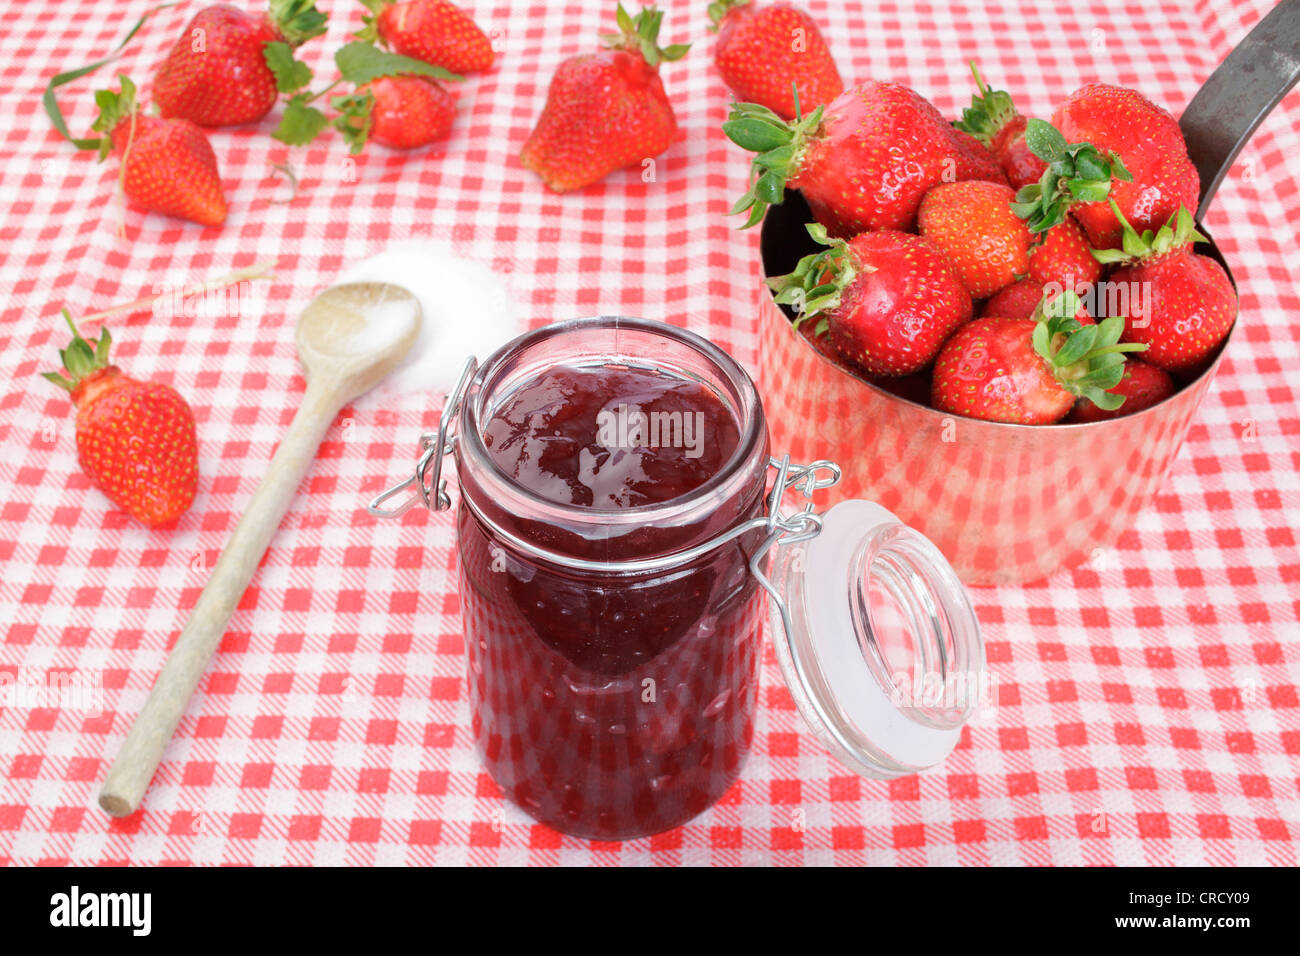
[1008, 503]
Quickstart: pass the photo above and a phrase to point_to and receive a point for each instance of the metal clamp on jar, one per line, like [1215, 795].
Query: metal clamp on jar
[613, 653]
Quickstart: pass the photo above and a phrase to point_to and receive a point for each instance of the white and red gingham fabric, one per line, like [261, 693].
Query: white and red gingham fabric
[1148, 704]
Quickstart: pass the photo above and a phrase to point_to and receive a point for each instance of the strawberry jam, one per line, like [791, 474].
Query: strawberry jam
[613, 680]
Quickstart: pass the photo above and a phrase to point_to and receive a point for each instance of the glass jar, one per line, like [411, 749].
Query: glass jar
[613, 652]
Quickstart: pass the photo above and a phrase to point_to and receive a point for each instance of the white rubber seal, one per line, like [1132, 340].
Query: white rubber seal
[856, 693]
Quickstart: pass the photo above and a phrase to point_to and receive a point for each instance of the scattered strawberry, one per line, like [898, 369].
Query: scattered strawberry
[168, 164]
[762, 52]
[1064, 259]
[135, 440]
[1187, 302]
[435, 31]
[216, 73]
[1142, 386]
[863, 162]
[605, 110]
[405, 111]
[1021, 300]
[972, 224]
[1149, 141]
[1030, 371]
[887, 299]
[395, 101]
[992, 118]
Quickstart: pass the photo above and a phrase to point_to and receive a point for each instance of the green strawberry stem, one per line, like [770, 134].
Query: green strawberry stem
[298, 20]
[50, 100]
[989, 111]
[1087, 360]
[640, 34]
[80, 359]
[718, 9]
[818, 280]
[113, 109]
[778, 147]
[1178, 232]
[1076, 172]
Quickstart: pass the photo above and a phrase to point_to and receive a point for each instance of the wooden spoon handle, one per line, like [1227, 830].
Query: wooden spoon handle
[142, 750]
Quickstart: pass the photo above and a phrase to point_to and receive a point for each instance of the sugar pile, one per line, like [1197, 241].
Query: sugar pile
[467, 311]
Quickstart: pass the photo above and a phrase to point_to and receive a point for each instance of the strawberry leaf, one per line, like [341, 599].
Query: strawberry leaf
[301, 122]
[359, 63]
[290, 74]
[1044, 140]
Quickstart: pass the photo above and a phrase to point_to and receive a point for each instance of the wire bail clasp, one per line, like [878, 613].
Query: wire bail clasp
[431, 487]
[802, 525]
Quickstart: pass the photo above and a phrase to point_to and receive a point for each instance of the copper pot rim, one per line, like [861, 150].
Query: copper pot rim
[1011, 427]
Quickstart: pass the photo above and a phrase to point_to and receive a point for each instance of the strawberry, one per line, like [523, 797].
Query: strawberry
[1180, 304]
[395, 99]
[972, 224]
[1022, 298]
[1030, 371]
[216, 73]
[1142, 386]
[762, 52]
[168, 165]
[135, 440]
[434, 31]
[399, 111]
[863, 161]
[992, 118]
[887, 299]
[1063, 258]
[1149, 141]
[605, 110]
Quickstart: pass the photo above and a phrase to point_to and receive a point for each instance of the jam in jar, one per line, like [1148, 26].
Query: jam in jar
[613, 670]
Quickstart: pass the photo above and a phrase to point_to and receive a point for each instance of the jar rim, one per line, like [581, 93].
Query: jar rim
[750, 424]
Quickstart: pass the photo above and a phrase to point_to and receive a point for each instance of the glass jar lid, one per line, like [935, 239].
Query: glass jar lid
[876, 638]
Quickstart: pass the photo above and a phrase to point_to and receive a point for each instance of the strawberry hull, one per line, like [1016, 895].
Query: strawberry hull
[990, 495]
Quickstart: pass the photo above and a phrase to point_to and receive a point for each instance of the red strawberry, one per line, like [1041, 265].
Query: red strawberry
[973, 225]
[888, 299]
[168, 164]
[216, 73]
[403, 112]
[1180, 304]
[863, 162]
[605, 110]
[1142, 386]
[1021, 300]
[992, 119]
[763, 52]
[434, 31]
[1029, 371]
[1150, 143]
[1064, 259]
[135, 440]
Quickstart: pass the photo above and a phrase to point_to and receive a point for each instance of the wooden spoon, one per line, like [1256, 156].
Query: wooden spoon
[349, 337]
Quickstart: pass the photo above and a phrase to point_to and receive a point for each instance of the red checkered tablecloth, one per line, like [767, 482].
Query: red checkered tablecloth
[1148, 708]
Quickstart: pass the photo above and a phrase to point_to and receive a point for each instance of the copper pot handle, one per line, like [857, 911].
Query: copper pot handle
[1239, 94]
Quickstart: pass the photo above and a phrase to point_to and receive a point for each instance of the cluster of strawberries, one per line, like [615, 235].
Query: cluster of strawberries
[927, 223]
[230, 67]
